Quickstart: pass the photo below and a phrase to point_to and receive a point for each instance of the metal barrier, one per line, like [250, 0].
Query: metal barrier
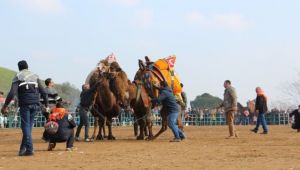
[127, 119]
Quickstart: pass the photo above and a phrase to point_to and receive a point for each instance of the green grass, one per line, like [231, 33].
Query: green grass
[6, 77]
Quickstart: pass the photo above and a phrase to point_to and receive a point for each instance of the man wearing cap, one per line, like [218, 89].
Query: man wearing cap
[26, 85]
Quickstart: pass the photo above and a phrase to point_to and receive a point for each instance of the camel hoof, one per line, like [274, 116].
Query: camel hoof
[111, 138]
[140, 138]
[150, 138]
[99, 137]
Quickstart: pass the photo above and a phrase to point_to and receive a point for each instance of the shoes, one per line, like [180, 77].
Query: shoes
[175, 140]
[88, 140]
[71, 149]
[264, 133]
[182, 137]
[24, 152]
[231, 137]
[254, 130]
[77, 138]
[51, 146]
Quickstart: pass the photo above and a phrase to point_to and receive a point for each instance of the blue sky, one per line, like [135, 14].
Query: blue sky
[252, 43]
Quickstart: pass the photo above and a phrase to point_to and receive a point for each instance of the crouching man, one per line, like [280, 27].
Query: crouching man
[60, 128]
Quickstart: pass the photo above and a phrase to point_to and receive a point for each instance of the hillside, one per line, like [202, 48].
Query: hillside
[6, 77]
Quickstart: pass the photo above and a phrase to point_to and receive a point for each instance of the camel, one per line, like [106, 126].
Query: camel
[141, 105]
[112, 93]
[151, 76]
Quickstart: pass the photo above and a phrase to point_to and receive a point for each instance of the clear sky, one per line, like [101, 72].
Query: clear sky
[252, 43]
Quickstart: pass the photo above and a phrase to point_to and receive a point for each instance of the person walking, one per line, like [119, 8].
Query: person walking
[168, 101]
[26, 85]
[261, 108]
[230, 106]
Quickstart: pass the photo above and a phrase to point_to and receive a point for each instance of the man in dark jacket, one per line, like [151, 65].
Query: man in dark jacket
[86, 100]
[168, 101]
[296, 114]
[26, 85]
[261, 109]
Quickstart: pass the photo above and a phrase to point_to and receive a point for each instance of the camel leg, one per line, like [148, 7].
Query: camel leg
[135, 126]
[101, 125]
[179, 122]
[95, 127]
[104, 132]
[109, 124]
[149, 127]
[164, 125]
[142, 124]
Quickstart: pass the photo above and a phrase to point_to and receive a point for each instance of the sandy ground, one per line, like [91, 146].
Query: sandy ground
[205, 148]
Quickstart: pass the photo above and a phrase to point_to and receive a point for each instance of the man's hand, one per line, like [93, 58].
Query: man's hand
[4, 110]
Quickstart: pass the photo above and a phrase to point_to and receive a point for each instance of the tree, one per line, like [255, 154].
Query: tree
[68, 93]
[206, 101]
[291, 93]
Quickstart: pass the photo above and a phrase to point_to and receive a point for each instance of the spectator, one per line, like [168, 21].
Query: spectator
[26, 85]
[261, 108]
[296, 114]
[230, 105]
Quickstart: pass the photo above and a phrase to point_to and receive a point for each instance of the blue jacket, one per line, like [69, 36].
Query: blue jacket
[167, 99]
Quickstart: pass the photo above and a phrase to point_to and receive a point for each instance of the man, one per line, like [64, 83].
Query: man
[86, 100]
[296, 114]
[65, 130]
[230, 106]
[26, 85]
[168, 101]
[53, 97]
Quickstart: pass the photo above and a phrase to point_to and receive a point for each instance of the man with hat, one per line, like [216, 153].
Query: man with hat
[26, 85]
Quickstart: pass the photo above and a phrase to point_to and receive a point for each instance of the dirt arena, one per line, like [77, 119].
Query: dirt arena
[205, 148]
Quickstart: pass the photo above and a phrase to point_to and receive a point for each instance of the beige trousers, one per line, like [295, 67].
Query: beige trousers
[230, 123]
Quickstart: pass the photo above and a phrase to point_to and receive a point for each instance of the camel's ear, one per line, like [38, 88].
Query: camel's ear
[142, 65]
[147, 59]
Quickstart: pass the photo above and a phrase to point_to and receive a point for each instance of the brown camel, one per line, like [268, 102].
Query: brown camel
[151, 77]
[141, 105]
[106, 106]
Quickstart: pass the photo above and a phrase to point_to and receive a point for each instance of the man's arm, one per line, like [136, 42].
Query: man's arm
[12, 93]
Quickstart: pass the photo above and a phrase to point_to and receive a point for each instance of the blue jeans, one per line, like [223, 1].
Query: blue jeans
[172, 117]
[261, 120]
[84, 121]
[27, 114]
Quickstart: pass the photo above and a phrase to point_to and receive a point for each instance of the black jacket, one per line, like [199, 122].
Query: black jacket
[296, 115]
[261, 104]
[65, 129]
[27, 95]
[87, 96]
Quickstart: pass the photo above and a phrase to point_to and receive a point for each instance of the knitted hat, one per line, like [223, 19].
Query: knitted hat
[22, 65]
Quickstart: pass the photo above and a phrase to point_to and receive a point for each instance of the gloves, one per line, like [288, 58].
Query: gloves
[4, 110]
